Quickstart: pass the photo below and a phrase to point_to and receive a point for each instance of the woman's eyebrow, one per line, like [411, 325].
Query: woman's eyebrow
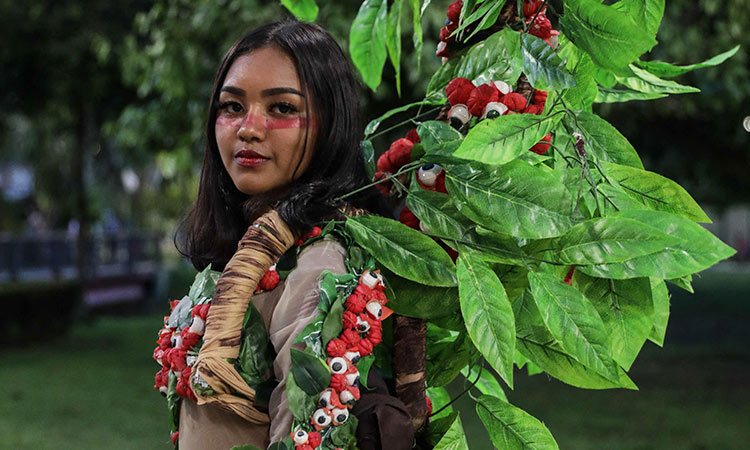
[233, 90]
[280, 90]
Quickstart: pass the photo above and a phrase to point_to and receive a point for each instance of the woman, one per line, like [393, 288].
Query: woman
[282, 146]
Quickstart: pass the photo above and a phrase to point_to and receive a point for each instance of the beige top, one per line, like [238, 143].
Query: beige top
[286, 311]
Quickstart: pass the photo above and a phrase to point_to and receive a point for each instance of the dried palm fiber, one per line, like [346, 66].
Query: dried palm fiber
[261, 246]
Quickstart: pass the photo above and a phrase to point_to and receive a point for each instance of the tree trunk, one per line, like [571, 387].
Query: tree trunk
[409, 340]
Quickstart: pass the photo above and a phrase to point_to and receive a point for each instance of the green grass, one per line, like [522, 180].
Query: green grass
[92, 389]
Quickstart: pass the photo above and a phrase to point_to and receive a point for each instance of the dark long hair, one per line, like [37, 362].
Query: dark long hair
[210, 231]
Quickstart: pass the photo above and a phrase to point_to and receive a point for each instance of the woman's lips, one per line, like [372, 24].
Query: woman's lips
[249, 158]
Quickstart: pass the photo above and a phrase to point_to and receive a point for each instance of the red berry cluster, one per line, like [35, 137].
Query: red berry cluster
[172, 350]
[397, 155]
[361, 332]
[451, 24]
[535, 14]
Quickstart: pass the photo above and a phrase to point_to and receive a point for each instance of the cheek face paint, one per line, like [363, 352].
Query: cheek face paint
[233, 122]
[293, 122]
[251, 121]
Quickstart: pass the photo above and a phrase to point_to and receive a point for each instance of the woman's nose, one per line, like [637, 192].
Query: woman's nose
[253, 126]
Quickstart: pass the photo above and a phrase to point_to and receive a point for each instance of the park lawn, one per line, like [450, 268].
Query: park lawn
[92, 389]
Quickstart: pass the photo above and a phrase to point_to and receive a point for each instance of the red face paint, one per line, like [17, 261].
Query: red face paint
[251, 120]
[293, 122]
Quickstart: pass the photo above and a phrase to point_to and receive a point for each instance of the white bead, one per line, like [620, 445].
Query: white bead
[461, 113]
[501, 108]
[300, 437]
[503, 87]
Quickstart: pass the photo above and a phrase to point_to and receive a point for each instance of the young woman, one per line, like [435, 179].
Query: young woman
[282, 145]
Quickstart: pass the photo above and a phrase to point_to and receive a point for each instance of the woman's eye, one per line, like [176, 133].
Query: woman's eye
[283, 108]
[231, 107]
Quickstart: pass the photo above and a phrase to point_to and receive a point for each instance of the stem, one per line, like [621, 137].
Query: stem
[461, 394]
[403, 169]
[412, 119]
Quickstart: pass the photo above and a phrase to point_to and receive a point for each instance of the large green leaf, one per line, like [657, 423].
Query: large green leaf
[541, 65]
[454, 438]
[606, 95]
[667, 70]
[516, 199]
[604, 140]
[645, 13]
[646, 82]
[393, 40]
[496, 58]
[504, 138]
[535, 343]
[511, 428]
[305, 10]
[487, 313]
[434, 134]
[445, 359]
[403, 250]
[655, 191]
[698, 250]
[310, 373]
[660, 297]
[609, 239]
[367, 41]
[486, 382]
[610, 37]
[488, 12]
[627, 310]
[333, 322]
[574, 322]
[417, 300]
[582, 95]
[301, 404]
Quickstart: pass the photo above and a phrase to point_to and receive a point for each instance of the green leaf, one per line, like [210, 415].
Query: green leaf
[504, 138]
[537, 345]
[487, 313]
[310, 373]
[417, 24]
[574, 322]
[246, 447]
[278, 446]
[446, 358]
[582, 95]
[488, 12]
[435, 134]
[439, 214]
[487, 383]
[698, 250]
[439, 397]
[454, 438]
[645, 13]
[367, 41]
[655, 191]
[301, 404]
[305, 10]
[667, 70]
[627, 310]
[605, 95]
[363, 366]
[393, 40]
[512, 428]
[648, 83]
[685, 282]
[610, 37]
[368, 151]
[333, 322]
[412, 299]
[541, 65]
[496, 58]
[516, 199]
[660, 297]
[343, 436]
[403, 250]
[604, 140]
[609, 239]
[375, 123]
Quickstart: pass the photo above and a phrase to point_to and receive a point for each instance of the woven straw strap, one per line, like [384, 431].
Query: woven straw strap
[261, 246]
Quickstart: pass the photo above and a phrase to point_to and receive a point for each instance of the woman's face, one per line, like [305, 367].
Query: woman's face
[261, 122]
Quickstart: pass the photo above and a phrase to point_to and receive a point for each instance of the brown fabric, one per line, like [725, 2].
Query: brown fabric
[210, 427]
[384, 422]
[261, 246]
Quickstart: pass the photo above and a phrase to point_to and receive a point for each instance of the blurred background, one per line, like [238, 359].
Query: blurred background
[102, 111]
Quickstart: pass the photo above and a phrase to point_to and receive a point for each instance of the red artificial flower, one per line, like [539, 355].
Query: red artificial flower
[541, 147]
[269, 282]
[304, 447]
[336, 347]
[349, 320]
[365, 292]
[313, 438]
[533, 109]
[338, 382]
[182, 388]
[530, 7]
[161, 378]
[350, 338]
[459, 90]
[514, 101]
[445, 32]
[569, 276]
[175, 437]
[429, 404]
[454, 11]
[541, 28]
[553, 35]
[385, 186]
[189, 339]
[173, 303]
[396, 156]
[408, 218]
[355, 303]
[480, 96]
[539, 98]
[374, 338]
[413, 136]
[176, 358]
